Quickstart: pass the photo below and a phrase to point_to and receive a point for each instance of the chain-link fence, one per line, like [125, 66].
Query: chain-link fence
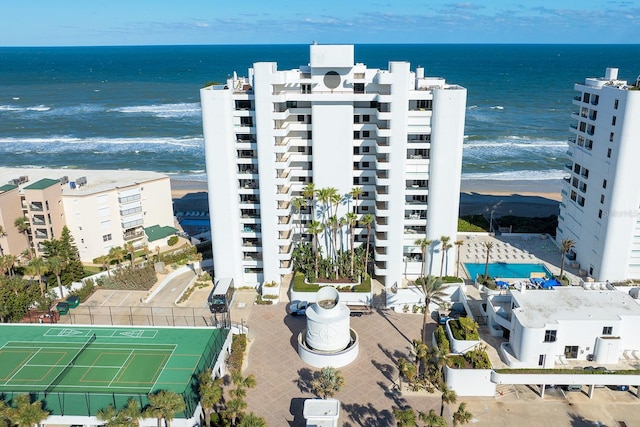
[144, 316]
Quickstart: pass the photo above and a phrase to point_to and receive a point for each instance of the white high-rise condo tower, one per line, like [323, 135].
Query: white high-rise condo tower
[600, 207]
[394, 133]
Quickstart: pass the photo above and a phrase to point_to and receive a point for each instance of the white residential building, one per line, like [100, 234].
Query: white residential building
[333, 123]
[600, 207]
[102, 209]
[548, 328]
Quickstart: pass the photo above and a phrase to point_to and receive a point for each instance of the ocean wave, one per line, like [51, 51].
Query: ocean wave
[100, 145]
[181, 110]
[538, 175]
[497, 107]
[515, 142]
[24, 109]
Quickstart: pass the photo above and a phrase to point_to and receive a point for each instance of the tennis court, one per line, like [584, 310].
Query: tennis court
[55, 361]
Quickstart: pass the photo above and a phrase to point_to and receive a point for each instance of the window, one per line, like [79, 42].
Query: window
[106, 237]
[541, 360]
[611, 137]
[615, 104]
[356, 119]
[595, 99]
[301, 117]
[358, 88]
[576, 168]
[309, 135]
[607, 330]
[365, 134]
[613, 121]
[609, 153]
[305, 88]
[600, 213]
[356, 134]
[424, 103]
[604, 183]
[585, 97]
[571, 351]
[365, 179]
[246, 121]
[365, 149]
[364, 208]
[550, 335]
[356, 181]
[365, 164]
[602, 198]
[365, 118]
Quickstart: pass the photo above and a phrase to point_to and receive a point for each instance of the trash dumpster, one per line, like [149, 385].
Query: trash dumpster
[62, 307]
[73, 301]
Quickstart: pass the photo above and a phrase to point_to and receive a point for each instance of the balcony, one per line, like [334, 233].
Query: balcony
[35, 207]
[38, 220]
[133, 236]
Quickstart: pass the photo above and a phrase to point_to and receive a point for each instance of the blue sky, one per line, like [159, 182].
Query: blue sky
[146, 22]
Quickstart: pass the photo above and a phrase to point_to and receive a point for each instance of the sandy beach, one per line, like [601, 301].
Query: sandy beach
[521, 198]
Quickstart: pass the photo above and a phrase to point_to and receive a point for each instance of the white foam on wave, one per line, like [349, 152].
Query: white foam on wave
[516, 142]
[24, 109]
[163, 110]
[536, 175]
[497, 107]
[61, 141]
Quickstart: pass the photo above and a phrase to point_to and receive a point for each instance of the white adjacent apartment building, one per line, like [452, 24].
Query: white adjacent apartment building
[550, 328]
[334, 123]
[600, 207]
[102, 209]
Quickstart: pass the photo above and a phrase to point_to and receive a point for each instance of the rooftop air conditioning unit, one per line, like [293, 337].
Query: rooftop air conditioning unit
[81, 181]
[64, 180]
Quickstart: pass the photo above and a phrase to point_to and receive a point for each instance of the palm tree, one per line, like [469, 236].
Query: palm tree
[23, 227]
[210, 392]
[458, 244]
[445, 248]
[131, 250]
[462, 416]
[367, 219]
[352, 219]
[421, 351]
[315, 228]
[117, 253]
[433, 291]
[448, 396]
[25, 413]
[234, 409]
[424, 244]
[38, 266]
[164, 404]
[565, 246]
[105, 261]
[252, 420]
[356, 192]
[405, 417]
[309, 192]
[4, 417]
[488, 246]
[432, 419]
[241, 383]
[327, 382]
[56, 266]
[131, 413]
[110, 415]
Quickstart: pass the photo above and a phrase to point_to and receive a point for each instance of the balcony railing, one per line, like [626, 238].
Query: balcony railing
[35, 208]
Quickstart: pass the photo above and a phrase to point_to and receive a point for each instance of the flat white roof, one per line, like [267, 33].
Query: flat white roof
[97, 180]
[537, 308]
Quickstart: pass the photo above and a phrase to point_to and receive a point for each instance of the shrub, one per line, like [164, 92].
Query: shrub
[473, 224]
[136, 278]
[271, 284]
[441, 340]
[464, 329]
[264, 300]
[457, 361]
[85, 291]
[238, 347]
[172, 240]
[478, 358]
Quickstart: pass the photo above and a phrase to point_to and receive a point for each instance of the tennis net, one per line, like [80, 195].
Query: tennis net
[67, 368]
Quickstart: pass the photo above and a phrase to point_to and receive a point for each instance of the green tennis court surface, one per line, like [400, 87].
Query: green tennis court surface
[95, 361]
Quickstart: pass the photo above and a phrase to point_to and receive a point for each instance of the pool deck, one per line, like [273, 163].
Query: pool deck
[516, 249]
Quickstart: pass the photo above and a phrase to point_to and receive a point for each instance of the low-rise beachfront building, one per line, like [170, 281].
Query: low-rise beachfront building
[394, 133]
[102, 209]
[600, 207]
[551, 328]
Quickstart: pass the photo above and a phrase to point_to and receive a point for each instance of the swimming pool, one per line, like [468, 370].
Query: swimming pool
[507, 270]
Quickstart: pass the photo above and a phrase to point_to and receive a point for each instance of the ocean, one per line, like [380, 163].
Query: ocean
[138, 107]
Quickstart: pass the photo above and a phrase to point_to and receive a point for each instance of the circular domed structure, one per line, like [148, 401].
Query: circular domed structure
[328, 339]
